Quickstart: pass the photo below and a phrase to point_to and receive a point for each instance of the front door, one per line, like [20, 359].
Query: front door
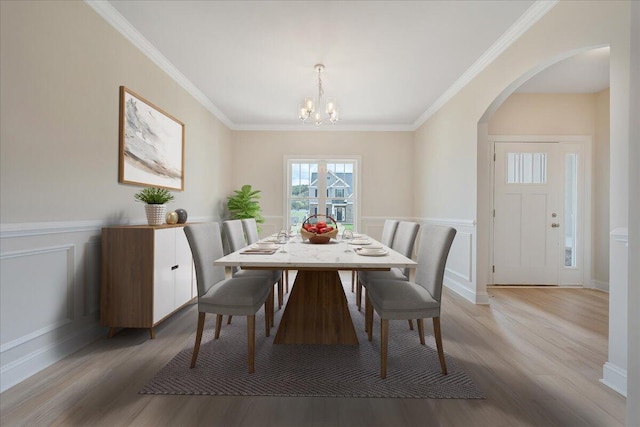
[527, 201]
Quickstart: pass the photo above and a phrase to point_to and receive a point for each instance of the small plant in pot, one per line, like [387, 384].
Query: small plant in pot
[244, 204]
[155, 200]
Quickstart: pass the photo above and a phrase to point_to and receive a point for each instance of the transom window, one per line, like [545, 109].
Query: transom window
[526, 168]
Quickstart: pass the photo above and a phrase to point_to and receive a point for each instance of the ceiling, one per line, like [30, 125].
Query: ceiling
[389, 64]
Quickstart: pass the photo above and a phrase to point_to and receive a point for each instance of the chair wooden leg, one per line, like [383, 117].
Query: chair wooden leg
[438, 337]
[368, 317]
[271, 307]
[384, 344]
[267, 318]
[196, 346]
[251, 337]
[280, 293]
[359, 296]
[420, 323]
[229, 320]
[410, 324]
[218, 325]
[353, 280]
[286, 281]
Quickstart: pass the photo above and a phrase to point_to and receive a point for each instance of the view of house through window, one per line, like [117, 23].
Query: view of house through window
[322, 187]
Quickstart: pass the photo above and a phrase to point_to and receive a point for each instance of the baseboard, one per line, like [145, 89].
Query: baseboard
[480, 298]
[600, 285]
[615, 378]
[32, 363]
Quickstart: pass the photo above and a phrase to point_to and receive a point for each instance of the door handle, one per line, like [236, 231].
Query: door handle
[555, 225]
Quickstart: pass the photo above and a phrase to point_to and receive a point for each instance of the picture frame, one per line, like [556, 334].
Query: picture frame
[151, 144]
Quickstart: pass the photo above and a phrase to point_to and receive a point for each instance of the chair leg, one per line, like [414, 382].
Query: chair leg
[359, 295]
[420, 323]
[280, 293]
[384, 344]
[368, 317]
[218, 325]
[271, 309]
[353, 280]
[410, 324]
[229, 320]
[286, 281]
[438, 337]
[196, 346]
[251, 337]
[267, 318]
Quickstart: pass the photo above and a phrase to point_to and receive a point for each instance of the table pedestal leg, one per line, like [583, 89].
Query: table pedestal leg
[317, 312]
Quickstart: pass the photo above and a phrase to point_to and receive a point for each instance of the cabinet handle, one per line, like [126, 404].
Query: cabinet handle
[174, 267]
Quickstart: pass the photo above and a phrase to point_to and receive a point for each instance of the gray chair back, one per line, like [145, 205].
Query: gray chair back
[205, 242]
[405, 239]
[251, 230]
[234, 233]
[388, 232]
[435, 243]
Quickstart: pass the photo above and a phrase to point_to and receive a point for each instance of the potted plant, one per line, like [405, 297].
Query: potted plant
[244, 204]
[155, 207]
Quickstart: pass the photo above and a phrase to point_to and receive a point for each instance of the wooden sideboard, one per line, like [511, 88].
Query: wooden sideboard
[147, 275]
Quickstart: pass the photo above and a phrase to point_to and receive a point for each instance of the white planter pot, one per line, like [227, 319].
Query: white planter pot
[155, 214]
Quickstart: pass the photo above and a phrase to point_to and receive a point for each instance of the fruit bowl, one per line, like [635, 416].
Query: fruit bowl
[317, 230]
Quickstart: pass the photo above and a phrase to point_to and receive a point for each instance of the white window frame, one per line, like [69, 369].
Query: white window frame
[289, 159]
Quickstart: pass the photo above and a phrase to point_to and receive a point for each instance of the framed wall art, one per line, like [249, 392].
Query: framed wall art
[151, 144]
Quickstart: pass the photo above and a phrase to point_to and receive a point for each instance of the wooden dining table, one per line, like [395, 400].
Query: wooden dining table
[317, 311]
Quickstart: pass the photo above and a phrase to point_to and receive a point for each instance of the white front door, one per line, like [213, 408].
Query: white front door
[527, 201]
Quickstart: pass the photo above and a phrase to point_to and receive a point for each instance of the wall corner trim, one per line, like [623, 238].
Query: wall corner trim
[615, 378]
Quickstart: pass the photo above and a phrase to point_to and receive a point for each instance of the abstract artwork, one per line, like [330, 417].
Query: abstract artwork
[151, 144]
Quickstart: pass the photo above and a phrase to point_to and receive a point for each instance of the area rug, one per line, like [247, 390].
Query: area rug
[314, 370]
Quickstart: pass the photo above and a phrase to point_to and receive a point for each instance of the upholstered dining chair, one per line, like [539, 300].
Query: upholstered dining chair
[241, 296]
[401, 299]
[250, 227]
[388, 231]
[403, 241]
[234, 234]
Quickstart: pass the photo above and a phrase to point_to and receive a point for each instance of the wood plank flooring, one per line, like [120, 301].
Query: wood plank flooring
[536, 353]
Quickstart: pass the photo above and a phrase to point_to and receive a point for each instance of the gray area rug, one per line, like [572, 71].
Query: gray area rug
[314, 370]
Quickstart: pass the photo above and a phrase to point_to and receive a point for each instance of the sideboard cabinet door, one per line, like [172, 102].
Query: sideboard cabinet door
[147, 275]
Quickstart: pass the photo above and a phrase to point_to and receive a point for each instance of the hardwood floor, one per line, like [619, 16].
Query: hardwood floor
[536, 353]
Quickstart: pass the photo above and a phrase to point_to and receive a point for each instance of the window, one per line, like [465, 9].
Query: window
[570, 209]
[334, 180]
[526, 168]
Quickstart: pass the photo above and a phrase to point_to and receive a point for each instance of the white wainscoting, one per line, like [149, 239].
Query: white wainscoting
[49, 293]
[460, 272]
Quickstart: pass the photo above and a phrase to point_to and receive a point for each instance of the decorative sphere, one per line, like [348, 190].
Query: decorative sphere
[182, 216]
[172, 218]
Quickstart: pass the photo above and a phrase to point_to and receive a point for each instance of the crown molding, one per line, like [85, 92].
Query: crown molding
[526, 21]
[325, 128]
[124, 27]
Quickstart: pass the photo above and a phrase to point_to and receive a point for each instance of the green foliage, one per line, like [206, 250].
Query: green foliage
[153, 196]
[244, 204]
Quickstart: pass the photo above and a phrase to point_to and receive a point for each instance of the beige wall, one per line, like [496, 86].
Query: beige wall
[62, 65]
[545, 114]
[569, 114]
[61, 68]
[386, 167]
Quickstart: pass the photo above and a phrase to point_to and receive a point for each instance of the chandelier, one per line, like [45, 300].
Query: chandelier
[309, 105]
